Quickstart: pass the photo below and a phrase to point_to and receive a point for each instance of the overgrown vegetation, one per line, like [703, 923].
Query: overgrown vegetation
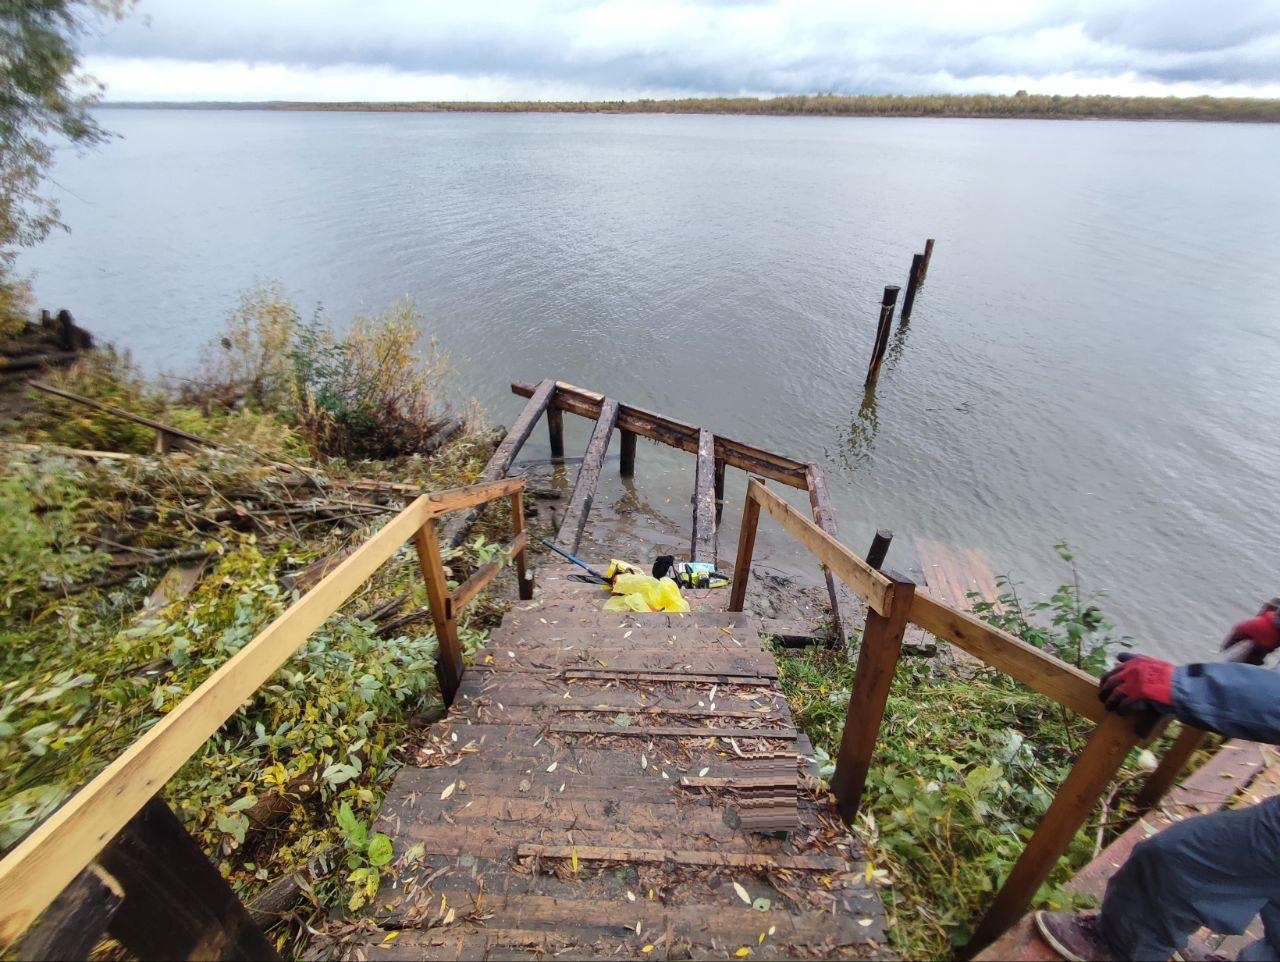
[1019, 105]
[89, 663]
[967, 763]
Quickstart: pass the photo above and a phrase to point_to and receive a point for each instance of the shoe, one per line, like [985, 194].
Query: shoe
[1074, 936]
[1197, 951]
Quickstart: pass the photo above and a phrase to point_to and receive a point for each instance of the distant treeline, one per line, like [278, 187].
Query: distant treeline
[1019, 105]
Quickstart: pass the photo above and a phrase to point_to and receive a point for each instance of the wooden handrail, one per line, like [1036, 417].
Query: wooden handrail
[871, 585]
[892, 604]
[50, 858]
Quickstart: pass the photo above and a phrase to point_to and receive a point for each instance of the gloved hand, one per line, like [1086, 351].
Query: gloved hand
[1262, 633]
[1137, 684]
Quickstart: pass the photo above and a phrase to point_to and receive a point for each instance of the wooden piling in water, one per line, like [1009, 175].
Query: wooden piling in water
[882, 334]
[627, 464]
[879, 548]
[555, 428]
[913, 283]
[928, 256]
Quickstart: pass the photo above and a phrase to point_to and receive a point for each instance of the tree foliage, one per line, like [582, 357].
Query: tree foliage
[45, 100]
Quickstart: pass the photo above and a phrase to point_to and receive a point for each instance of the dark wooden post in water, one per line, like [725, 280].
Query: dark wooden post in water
[720, 469]
[877, 658]
[879, 548]
[913, 283]
[928, 256]
[882, 334]
[555, 428]
[627, 462]
[176, 903]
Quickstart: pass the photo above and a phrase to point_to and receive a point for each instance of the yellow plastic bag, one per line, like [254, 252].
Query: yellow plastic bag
[645, 593]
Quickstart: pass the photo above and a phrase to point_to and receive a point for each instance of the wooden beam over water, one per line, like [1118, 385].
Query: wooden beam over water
[677, 434]
[584, 488]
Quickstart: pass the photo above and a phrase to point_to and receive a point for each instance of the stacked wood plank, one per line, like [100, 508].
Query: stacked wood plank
[617, 785]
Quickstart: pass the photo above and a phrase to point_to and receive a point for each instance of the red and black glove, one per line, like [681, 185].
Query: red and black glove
[1137, 684]
[1261, 633]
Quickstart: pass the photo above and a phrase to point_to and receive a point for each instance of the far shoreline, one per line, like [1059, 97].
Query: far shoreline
[972, 107]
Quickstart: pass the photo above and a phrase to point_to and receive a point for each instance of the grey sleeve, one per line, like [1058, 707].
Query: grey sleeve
[1239, 701]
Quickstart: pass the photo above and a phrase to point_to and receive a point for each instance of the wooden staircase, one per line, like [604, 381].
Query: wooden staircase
[617, 785]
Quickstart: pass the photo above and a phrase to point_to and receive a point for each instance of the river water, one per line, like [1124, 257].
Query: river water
[1094, 357]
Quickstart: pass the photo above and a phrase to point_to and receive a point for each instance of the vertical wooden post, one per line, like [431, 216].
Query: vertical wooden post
[702, 545]
[928, 256]
[746, 546]
[176, 903]
[76, 921]
[449, 667]
[555, 428]
[879, 548]
[877, 659]
[627, 463]
[1175, 760]
[524, 577]
[913, 282]
[882, 334]
[720, 469]
[162, 442]
[1095, 768]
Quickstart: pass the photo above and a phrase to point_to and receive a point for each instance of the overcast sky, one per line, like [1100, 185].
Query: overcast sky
[606, 49]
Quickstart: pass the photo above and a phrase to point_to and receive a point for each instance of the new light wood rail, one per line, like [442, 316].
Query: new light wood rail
[893, 603]
[74, 837]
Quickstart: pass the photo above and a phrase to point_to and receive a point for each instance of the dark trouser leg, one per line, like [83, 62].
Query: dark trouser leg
[1266, 949]
[1218, 871]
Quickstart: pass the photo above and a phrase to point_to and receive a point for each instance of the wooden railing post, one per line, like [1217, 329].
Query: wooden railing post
[746, 546]
[877, 658]
[555, 430]
[1097, 765]
[524, 578]
[627, 463]
[176, 903]
[449, 667]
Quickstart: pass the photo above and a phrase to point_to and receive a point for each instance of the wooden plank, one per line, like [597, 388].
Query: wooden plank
[795, 863]
[872, 586]
[449, 666]
[47, 860]
[677, 434]
[1065, 684]
[703, 544]
[167, 429]
[671, 731]
[746, 548]
[1097, 765]
[731, 782]
[877, 659]
[555, 431]
[456, 499]
[825, 518]
[76, 921]
[584, 488]
[177, 904]
[674, 674]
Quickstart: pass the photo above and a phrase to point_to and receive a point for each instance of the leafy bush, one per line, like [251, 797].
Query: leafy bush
[249, 363]
[41, 535]
[373, 393]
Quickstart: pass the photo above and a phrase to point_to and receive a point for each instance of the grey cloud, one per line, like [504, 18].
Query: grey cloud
[836, 47]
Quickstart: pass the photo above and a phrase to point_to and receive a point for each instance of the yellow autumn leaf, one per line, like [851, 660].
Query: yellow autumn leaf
[647, 948]
[573, 855]
[743, 952]
[760, 941]
[870, 869]
[390, 936]
[448, 791]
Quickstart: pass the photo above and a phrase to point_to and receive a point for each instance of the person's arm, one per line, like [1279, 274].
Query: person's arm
[1239, 701]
